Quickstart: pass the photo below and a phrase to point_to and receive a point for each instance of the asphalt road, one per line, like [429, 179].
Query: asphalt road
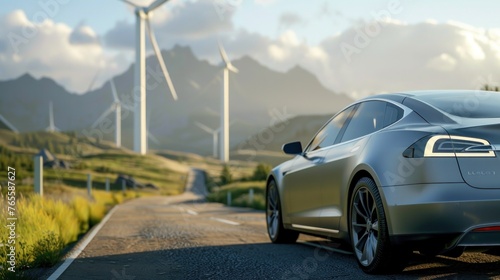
[184, 237]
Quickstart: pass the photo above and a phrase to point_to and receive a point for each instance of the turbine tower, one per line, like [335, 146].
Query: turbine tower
[215, 135]
[8, 124]
[116, 107]
[150, 135]
[224, 116]
[139, 91]
[52, 127]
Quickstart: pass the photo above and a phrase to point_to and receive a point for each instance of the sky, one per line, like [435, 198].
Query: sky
[357, 47]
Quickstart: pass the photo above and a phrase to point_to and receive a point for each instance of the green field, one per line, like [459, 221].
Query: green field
[168, 176]
[86, 156]
[240, 194]
[66, 211]
[52, 223]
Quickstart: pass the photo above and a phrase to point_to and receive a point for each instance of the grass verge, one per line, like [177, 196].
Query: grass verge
[240, 194]
[45, 226]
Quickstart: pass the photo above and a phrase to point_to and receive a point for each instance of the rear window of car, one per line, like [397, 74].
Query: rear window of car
[473, 104]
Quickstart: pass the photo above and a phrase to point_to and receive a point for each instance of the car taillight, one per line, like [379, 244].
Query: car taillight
[449, 146]
[486, 229]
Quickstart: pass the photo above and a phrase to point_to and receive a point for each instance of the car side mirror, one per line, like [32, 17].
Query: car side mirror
[293, 148]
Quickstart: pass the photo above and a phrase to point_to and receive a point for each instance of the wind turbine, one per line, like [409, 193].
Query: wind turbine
[52, 127]
[116, 106]
[142, 20]
[215, 135]
[224, 116]
[8, 124]
[150, 135]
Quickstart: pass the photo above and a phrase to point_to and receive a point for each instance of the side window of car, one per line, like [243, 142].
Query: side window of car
[327, 135]
[392, 114]
[368, 117]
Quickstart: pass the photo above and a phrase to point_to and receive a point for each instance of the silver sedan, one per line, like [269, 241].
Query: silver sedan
[395, 173]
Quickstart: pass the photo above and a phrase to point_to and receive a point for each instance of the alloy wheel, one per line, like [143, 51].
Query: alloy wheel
[364, 226]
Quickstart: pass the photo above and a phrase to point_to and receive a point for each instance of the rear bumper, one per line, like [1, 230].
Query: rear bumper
[479, 239]
[442, 212]
[447, 241]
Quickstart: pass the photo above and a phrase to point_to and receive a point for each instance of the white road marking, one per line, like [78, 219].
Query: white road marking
[81, 246]
[189, 211]
[225, 221]
[325, 247]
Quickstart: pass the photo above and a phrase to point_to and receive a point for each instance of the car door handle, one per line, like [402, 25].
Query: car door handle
[317, 160]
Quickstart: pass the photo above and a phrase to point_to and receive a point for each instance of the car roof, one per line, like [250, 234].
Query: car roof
[419, 93]
[416, 100]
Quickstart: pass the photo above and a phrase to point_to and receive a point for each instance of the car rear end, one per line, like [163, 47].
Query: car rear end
[465, 210]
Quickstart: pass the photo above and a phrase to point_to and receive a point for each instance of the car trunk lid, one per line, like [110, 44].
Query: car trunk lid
[480, 164]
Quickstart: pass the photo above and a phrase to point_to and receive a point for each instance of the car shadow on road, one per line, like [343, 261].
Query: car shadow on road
[239, 261]
[468, 266]
[262, 261]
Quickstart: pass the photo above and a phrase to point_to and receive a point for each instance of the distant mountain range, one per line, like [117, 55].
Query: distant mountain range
[259, 98]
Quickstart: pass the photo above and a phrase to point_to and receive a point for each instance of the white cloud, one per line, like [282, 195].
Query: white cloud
[397, 56]
[317, 53]
[182, 23]
[443, 62]
[83, 35]
[195, 20]
[472, 45]
[289, 39]
[120, 36]
[277, 53]
[49, 49]
[428, 55]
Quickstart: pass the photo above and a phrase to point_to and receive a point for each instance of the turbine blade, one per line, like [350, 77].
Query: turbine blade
[204, 127]
[8, 124]
[51, 115]
[226, 60]
[92, 82]
[103, 115]
[52, 125]
[113, 90]
[231, 68]
[209, 84]
[154, 5]
[223, 54]
[160, 59]
[127, 107]
[153, 138]
[130, 3]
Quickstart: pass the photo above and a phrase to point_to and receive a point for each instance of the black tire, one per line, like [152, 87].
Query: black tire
[369, 234]
[274, 222]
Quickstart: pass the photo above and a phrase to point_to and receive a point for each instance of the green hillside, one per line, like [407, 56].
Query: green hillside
[55, 221]
[86, 156]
